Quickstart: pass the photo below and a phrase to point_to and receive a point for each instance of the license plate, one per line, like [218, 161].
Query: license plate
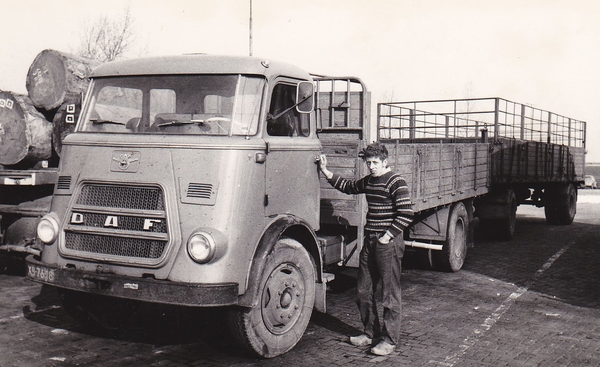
[40, 273]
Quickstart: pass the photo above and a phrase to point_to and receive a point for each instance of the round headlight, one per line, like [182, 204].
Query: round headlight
[47, 229]
[201, 247]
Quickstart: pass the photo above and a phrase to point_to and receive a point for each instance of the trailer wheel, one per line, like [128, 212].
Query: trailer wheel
[286, 296]
[452, 256]
[506, 228]
[502, 228]
[561, 204]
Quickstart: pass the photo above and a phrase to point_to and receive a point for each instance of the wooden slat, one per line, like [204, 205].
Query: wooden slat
[527, 161]
[350, 116]
[437, 174]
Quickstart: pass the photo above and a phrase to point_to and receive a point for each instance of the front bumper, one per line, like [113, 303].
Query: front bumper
[141, 289]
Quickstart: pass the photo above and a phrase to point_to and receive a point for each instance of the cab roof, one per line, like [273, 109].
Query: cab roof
[199, 64]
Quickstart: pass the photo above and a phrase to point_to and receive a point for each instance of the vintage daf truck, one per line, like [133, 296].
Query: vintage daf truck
[193, 180]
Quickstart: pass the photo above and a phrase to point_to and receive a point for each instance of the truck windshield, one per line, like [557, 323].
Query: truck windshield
[223, 105]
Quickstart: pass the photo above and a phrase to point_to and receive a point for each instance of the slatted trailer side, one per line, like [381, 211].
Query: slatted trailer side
[443, 176]
[441, 173]
[536, 157]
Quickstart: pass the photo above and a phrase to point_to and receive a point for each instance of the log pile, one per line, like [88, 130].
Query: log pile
[55, 77]
[33, 126]
[64, 121]
[25, 134]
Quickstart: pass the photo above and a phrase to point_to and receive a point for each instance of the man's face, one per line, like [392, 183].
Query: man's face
[376, 166]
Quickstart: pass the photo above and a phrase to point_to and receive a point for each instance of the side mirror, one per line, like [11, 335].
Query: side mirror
[305, 100]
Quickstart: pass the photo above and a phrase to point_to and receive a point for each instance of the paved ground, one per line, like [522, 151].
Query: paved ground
[534, 301]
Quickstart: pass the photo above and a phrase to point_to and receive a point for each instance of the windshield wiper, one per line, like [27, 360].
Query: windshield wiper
[175, 123]
[194, 121]
[271, 117]
[102, 121]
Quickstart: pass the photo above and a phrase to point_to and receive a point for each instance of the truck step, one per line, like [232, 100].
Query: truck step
[328, 277]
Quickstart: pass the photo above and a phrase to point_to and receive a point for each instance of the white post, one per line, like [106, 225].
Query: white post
[250, 30]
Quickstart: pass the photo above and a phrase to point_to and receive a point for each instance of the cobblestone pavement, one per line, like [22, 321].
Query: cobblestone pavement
[533, 301]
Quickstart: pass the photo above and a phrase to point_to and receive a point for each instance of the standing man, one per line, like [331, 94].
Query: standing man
[389, 214]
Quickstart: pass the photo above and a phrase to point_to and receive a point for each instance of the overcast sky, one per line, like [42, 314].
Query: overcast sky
[545, 53]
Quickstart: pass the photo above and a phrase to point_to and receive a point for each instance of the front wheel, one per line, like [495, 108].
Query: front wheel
[452, 256]
[286, 296]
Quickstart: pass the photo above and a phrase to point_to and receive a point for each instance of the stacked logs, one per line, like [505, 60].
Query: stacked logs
[33, 126]
[24, 132]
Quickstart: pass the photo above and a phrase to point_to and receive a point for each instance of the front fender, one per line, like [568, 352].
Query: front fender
[285, 225]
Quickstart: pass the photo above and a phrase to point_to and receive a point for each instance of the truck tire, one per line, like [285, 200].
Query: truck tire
[286, 296]
[452, 256]
[506, 226]
[424, 258]
[560, 204]
[97, 312]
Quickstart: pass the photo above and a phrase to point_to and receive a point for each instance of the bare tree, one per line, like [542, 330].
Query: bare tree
[107, 39]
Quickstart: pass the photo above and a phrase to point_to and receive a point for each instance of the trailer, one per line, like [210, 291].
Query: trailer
[25, 196]
[444, 176]
[536, 157]
[462, 159]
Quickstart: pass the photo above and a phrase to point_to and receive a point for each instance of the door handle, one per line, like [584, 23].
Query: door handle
[260, 157]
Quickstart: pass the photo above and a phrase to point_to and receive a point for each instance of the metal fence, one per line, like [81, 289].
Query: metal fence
[469, 118]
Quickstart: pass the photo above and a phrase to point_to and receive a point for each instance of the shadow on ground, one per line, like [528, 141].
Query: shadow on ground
[572, 277]
[153, 324]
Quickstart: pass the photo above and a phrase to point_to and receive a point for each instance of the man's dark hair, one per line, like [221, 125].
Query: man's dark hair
[377, 150]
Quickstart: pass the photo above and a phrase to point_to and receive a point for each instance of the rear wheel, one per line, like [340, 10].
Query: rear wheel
[424, 258]
[560, 204]
[502, 228]
[286, 296]
[506, 226]
[452, 256]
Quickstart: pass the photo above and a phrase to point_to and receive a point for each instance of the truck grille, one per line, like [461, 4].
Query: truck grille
[142, 198]
[118, 246]
[117, 222]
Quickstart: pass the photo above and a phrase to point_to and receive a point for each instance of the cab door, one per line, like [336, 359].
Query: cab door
[292, 179]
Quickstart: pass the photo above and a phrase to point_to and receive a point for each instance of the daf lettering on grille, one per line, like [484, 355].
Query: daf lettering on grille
[76, 218]
[115, 222]
[111, 221]
[148, 223]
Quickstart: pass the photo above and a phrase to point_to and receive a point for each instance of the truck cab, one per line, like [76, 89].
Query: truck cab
[191, 180]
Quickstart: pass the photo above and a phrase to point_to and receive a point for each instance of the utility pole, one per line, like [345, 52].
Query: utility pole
[250, 45]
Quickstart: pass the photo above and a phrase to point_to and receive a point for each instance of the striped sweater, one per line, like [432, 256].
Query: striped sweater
[388, 198]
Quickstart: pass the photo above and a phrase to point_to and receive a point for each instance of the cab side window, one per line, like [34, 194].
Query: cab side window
[284, 119]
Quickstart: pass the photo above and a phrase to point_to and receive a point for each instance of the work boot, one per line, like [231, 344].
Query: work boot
[361, 340]
[383, 349]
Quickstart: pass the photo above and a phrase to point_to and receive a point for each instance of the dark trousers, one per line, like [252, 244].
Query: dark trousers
[379, 270]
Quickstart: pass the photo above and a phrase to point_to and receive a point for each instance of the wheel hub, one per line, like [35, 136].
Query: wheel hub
[282, 298]
[286, 298]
